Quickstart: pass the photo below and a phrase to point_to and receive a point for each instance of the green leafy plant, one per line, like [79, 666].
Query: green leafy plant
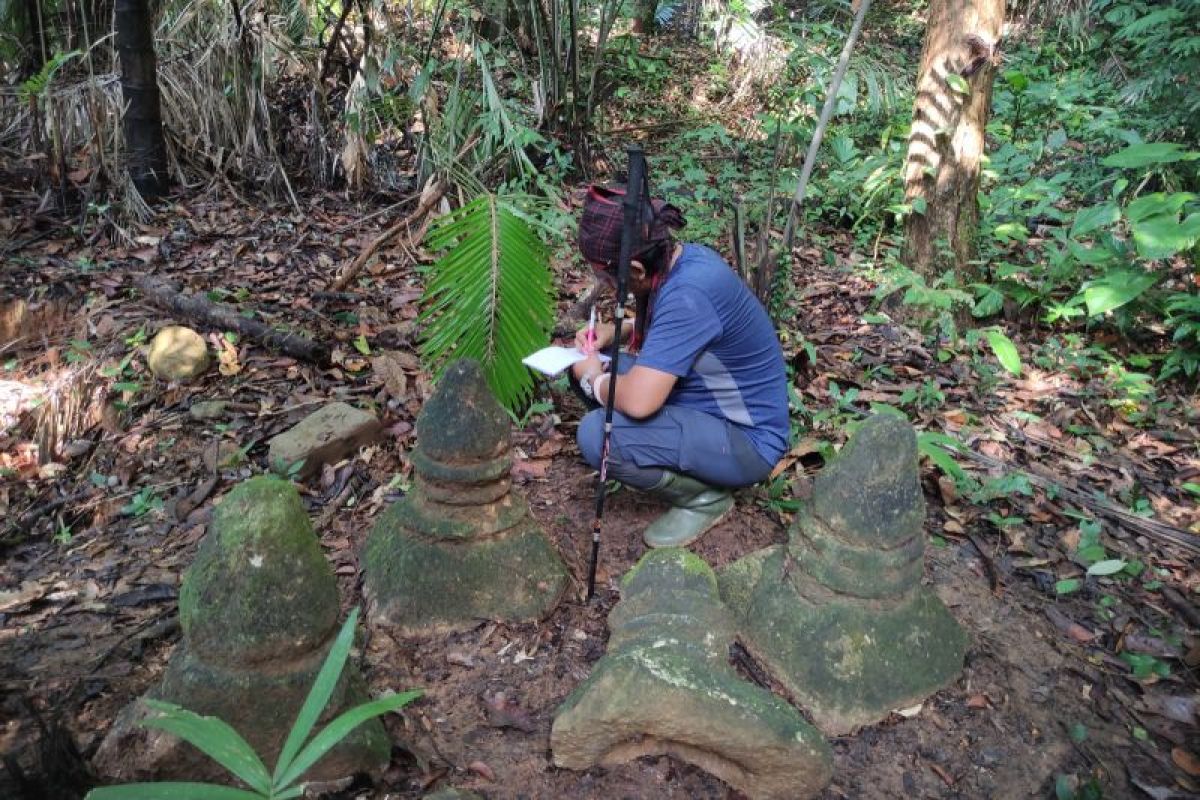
[939, 449]
[63, 534]
[534, 409]
[220, 742]
[778, 496]
[142, 503]
[78, 351]
[489, 296]
[1068, 787]
[36, 85]
[926, 397]
[1005, 350]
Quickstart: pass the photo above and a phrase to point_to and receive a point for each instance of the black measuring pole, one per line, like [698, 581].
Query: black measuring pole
[631, 205]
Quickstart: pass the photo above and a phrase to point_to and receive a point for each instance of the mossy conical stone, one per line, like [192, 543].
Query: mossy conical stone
[665, 687]
[461, 547]
[839, 615]
[259, 610]
[260, 587]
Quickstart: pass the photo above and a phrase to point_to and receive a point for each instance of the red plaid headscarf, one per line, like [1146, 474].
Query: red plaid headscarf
[602, 218]
[600, 242]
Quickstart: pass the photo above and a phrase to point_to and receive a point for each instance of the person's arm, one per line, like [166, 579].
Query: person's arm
[641, 391]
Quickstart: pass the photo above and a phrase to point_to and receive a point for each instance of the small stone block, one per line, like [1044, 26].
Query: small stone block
[208, 409]
[324, 437]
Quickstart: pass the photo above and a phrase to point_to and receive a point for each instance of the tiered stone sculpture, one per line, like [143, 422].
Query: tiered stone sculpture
[838, 614]
[666, 687]
[461, 547]
[259, 612]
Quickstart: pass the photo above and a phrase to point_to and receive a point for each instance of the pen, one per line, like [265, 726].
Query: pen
[591, 330]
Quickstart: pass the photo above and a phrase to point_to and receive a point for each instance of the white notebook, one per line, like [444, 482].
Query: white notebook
[554, 359]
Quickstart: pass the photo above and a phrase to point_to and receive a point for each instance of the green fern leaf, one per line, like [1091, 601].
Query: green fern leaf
[489, 296]
[1139, 27]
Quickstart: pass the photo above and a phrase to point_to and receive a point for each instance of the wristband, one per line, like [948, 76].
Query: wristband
[601, 398]
[585, 383]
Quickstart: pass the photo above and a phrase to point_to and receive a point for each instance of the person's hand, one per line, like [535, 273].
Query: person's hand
[604, 337]
[588, 366]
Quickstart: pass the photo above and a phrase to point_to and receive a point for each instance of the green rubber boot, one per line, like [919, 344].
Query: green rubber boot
[696, 507]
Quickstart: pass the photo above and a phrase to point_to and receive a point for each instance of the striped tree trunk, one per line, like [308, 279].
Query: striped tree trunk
[950, 114]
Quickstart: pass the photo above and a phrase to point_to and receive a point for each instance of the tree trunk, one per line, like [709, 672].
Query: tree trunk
[35, 35]
[944, 149]
[643, 20]
[145, 150]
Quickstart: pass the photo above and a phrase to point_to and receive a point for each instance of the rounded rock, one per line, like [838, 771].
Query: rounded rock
[178, 353]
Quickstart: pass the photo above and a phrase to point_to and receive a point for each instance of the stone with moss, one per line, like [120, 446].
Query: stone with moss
[461, 546]
[259, 611]
[665, 686]
[839, 615]
[260, 587]
[462, 423]
[737, 580]
[428, 583]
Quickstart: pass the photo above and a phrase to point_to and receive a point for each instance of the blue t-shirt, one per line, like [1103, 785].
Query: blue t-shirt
[711, 332]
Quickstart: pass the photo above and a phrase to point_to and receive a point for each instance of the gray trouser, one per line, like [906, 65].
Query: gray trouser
[680, 439]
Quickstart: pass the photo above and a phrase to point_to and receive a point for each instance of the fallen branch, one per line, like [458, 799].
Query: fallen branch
[576, 314]
[429, 199]
[992, 573]
[218, 315]
[1153, 529]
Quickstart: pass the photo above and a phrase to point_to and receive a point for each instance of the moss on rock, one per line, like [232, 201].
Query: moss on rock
[665, 686]
[419, 583]
[463, 421]
[677, 566]
[851, 664]
[260, 587]
[839, 615]
[259, 610]
[461, 547]
[737, 580]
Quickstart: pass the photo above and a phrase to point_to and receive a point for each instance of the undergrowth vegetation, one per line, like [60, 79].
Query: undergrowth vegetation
[1090, 212]
[1090, 215]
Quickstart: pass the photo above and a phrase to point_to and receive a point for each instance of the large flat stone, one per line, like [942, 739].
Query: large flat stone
[666, 687]
[324, 437]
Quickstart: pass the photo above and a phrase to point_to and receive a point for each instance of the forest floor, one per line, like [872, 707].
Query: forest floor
[1098, 683]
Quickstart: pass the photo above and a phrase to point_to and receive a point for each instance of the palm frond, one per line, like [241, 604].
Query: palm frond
[489, 296]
